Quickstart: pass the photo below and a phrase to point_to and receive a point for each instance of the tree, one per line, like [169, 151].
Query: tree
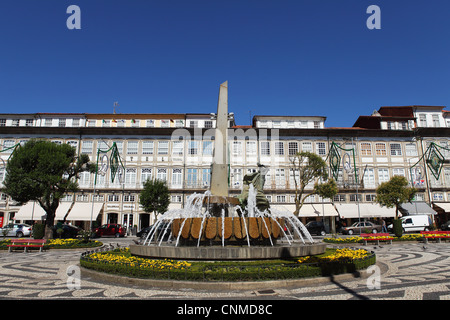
[395, 192]
[326, 190]
[392, 194]
[44, 171]
[155, 196]
[306, 167]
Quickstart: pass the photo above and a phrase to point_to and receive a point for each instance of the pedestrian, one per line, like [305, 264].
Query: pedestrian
[383, 226]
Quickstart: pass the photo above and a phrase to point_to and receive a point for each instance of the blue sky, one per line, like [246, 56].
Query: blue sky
[281, 57]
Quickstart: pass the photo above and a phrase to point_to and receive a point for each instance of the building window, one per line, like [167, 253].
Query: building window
[398, 172]
[129, 198]
[193, 124]
[293, 148]
[75, 122]
[28, 122]
[380, 149]
[208, 124]
[207, 148]
[411, 150]
[279, 148]
[193, 147]
[132, 147]
[366, 149]
[435, 119]
[307, 147]
[147, 147]
[438, 196]
[206, 177]
[383, 175]
[396, 149]
[177, 147]
[163, 147]
[91, 123]
[86, 147]
[237, 148]
[146, 174]
[162, 174]
[175, 198]
[251, 148]
[191, 179]
[321, 148]
[2, 122]
[317, 125]
[423, 120]
[113, 198]
[165, 123]
[355, 197]
[177, 177]
[371, 197]
[265, 148]
[339, 198]
[150, 123]
[130, 177]
[281, 198]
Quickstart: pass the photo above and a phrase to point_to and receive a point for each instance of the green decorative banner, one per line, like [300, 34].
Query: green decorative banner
[434, 160]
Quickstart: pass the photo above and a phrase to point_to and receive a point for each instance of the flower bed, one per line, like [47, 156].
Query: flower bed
[358, 239]
[60, 244]
[120, 261]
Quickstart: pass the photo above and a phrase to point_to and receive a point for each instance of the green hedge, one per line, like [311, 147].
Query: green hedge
[236, 271]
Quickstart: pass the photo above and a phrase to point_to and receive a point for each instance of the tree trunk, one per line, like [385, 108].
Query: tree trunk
[49, 222]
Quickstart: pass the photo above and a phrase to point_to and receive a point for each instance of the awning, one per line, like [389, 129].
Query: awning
[82, 211]
[416, 207]
[309, 209]
[317, 210]
[33, 211]
[443, 205]
[30, 211]
[366, 210]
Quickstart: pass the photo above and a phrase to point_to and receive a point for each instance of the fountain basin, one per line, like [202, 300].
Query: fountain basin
[228, 252]
[260, 230]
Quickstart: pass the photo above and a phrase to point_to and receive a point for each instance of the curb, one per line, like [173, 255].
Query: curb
[218, 286]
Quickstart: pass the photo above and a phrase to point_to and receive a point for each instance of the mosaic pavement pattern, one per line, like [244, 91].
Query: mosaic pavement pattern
[407, 271]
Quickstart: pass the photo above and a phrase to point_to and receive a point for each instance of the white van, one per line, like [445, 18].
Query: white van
[414, 223]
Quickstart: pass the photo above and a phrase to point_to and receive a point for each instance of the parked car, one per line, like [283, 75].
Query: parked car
[160, 230]
[316, 227]
[111, 229]
[445, 226]
[16, 230]
[69, 231]
[365, 227]
[414, 223]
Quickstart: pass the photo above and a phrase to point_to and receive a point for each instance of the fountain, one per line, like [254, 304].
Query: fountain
[215, 226]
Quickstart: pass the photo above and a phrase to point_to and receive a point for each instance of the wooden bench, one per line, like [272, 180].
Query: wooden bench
[437, 235]
[26, 243]
[376, 237]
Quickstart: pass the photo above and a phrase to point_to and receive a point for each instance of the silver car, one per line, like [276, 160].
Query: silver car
[16, 230]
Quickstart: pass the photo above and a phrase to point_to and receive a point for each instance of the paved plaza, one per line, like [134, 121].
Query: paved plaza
[407, 271]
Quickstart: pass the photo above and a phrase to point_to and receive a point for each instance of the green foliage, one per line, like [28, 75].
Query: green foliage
[326, 190]
[307, 167]
[230, 271]
[397, 227]
[38, 231]
[155, 196]
[44, 171]
[395, 192]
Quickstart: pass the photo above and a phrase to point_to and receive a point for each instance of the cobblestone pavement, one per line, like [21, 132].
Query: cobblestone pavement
[407, 271]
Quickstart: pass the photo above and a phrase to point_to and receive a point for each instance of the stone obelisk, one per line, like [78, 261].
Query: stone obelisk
[219, 171]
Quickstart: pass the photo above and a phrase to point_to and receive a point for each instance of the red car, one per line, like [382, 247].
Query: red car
[112, 229]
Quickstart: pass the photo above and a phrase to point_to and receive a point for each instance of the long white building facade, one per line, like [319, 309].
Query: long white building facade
[179, 148]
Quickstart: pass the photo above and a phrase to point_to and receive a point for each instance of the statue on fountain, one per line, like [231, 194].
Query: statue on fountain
[257, 179]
